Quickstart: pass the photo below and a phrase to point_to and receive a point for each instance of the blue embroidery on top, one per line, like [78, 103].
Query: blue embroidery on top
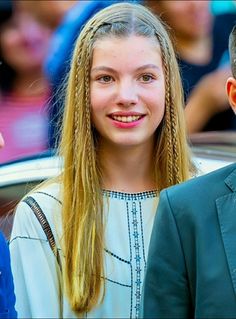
[116, 282]
[114, 255]
[131, 268]
[137, 259]
[49, 195]
[141, 224]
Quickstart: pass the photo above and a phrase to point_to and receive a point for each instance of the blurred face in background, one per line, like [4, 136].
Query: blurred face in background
[189, 19]
[48, 12]
[24, 42]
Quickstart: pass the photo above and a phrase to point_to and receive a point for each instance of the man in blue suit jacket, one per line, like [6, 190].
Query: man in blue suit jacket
[191, 268]
[7, 296]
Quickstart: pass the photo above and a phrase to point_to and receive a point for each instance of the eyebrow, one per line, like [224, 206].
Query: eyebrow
[148, 66]
[108, 69]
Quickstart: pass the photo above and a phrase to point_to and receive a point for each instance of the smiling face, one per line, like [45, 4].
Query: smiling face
[127, 90]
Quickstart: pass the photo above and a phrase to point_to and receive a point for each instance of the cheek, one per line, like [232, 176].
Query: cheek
[93, 118]
[93, 99]
[157, 101]
[8, 42]
[158, 114]
[96, 120]
[96, 107]
[98, 98]
[162, 110]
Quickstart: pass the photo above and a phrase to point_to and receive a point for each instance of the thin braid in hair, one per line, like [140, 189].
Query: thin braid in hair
[91, 155]
[168, 112]
[89, 151]
[173, 137]
[89, 133]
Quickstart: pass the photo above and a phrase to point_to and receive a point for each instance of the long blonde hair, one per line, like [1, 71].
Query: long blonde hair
[82, 211]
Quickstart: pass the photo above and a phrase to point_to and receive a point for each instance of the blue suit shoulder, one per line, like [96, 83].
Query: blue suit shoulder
[207, 187]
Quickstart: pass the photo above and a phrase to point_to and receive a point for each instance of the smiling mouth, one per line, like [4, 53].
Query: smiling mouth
[126, 119]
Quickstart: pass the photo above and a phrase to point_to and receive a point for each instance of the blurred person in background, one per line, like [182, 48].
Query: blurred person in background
[49, 13]
[24, 90]
[1, 141]
[201, 41]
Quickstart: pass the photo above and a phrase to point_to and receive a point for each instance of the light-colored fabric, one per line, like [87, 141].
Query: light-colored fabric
[128, 224]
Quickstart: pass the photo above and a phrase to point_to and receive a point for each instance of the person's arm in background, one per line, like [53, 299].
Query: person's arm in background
[207, 99]
[7, 296]
[1, 141]
[166, 291]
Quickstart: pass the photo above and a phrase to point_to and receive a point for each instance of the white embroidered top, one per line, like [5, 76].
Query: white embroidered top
[37, 277]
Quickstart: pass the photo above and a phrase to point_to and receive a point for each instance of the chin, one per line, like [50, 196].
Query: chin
[128, 143]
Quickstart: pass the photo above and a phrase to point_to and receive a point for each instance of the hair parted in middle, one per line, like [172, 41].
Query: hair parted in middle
[82, 211]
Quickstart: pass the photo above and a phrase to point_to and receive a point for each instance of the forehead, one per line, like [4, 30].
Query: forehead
[131, 38]
[125, 47]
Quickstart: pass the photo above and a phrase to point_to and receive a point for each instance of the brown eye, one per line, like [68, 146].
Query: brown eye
[105, 79]
[146, 78]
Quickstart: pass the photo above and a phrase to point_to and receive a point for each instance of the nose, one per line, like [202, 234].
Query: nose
[30, 29]
[126, 94]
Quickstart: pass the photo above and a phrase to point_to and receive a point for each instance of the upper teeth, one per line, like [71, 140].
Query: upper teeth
[126, 119]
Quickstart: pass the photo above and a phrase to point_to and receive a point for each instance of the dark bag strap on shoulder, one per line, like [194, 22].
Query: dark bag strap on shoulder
[38, 212]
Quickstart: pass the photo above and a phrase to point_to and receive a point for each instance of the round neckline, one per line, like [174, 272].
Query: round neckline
[130, 196]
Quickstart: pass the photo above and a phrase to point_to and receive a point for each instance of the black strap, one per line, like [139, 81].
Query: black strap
[37, 210]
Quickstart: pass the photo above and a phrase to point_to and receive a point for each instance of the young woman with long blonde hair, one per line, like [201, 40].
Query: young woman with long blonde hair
[123, 140]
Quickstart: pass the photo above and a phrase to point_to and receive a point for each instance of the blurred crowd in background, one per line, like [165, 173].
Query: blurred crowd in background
[36, 41]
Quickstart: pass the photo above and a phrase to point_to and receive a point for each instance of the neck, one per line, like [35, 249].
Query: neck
[195, 51]
[30, 84]
[127, 169]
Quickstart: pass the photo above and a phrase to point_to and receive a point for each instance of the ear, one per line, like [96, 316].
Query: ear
[231, 92]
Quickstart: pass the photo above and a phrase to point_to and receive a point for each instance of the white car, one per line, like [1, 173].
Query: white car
[212, 150]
